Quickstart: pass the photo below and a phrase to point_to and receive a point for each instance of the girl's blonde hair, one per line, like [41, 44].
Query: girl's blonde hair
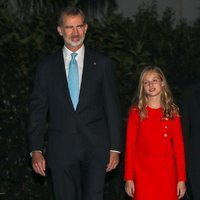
[169, 108]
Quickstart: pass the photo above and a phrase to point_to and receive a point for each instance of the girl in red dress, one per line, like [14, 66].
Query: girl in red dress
[154, 157]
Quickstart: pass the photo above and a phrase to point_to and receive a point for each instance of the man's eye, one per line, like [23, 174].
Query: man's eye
[80, 26]
[69, 27]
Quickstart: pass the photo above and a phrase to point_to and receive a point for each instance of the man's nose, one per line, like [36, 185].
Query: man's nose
[75, 31]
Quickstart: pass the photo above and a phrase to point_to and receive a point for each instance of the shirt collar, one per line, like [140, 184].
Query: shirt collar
[80, 51]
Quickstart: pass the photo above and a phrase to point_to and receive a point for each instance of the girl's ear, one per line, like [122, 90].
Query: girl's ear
[162, 84]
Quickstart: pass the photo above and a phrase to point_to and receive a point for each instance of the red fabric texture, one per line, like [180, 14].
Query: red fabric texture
[154, 156]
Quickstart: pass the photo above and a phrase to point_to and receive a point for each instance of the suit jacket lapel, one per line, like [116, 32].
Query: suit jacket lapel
[89, 62]
[63, 79]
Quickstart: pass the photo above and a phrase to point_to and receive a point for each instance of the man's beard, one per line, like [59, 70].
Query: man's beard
[76, 44]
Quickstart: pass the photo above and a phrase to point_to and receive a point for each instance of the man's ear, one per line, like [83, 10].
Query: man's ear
[59, 30]
[86, 27]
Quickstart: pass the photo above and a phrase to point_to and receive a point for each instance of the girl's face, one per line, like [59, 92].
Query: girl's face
[152, 84]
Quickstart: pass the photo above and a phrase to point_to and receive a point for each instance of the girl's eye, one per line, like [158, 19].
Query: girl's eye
[155, 80]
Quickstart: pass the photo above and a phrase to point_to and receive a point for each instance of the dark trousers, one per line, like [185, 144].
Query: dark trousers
[80, 181]
[83, 179]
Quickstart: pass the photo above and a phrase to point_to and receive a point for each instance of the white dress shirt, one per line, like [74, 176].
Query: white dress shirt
[79, 58]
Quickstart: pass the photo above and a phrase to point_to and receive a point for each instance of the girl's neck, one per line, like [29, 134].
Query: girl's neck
[154, 102]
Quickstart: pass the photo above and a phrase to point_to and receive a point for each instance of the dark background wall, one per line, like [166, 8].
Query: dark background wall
[28, 32]
[182, 8]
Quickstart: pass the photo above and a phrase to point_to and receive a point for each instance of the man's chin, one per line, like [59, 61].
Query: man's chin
[75, 44]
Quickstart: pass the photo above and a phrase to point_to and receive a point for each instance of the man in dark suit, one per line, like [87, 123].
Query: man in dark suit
[83, 136]
[191, 131]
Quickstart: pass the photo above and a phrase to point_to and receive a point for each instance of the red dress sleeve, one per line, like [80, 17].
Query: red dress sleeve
[131, 134]
[178, 146]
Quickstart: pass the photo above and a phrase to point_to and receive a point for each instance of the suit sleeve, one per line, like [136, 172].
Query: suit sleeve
[131, 135]
[38, 110]
[178, 149]
[112, 107]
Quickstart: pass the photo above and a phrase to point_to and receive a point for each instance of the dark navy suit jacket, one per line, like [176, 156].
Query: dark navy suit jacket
[191, 132]
[96, 121]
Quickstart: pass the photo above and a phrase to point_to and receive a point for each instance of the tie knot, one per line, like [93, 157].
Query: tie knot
[73, 56]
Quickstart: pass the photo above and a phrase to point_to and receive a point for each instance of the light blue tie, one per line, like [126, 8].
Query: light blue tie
[73, 80]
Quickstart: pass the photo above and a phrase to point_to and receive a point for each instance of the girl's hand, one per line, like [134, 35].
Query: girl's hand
[130, 188]
[181, 189]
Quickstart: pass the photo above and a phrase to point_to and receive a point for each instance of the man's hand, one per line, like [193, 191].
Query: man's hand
[113, 161]
[38, 163]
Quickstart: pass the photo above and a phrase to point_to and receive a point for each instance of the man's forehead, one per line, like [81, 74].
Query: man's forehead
[70, 19]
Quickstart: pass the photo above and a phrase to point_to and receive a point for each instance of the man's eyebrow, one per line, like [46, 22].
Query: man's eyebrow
[74, 26]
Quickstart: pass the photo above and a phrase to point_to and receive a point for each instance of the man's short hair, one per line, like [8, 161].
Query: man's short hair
[70, 11]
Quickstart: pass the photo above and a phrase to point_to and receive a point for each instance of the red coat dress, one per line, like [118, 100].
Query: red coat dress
[154, 156]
